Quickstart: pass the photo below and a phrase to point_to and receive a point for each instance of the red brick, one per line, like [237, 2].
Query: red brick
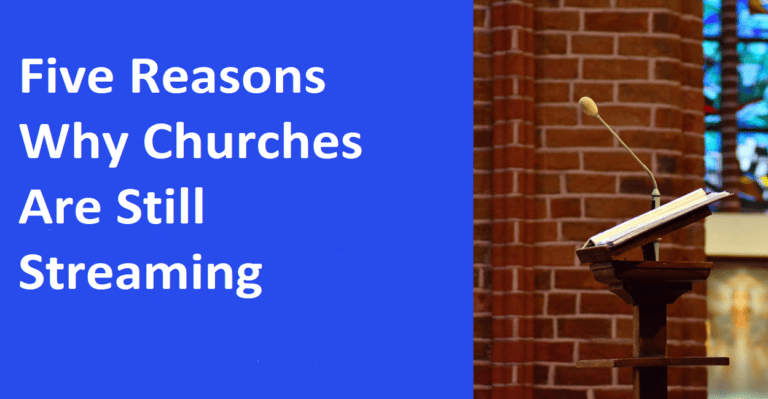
[674, 350]
[503, 86]
[559, 115]
[688, 376]
[691, 53]
[508, 14]
[615, 161]
[620, 115]
[557, 393]
[651, 46]
[668, 4]
[582, 231]
[579, 138]
[580, 278]
[482, 208]
[550, 44]
[687, 306]
[669, 118]
[591, 44]
[613, 393]
[547, 184]
[664, 22]
[546, 3]
[583, 328]
[565, 375]
[542, 279]
[482, 42]
[624, 328]
[604, 350]
[556, 20]
[592, 183]
[691, 8]
[482, 350]
[692, 76]
[482, 392]
[508, 351]
[547, 351]
[552, 92]
[587, 3]
[687, 394]
[482, 302]
[510, 207]
[482, 232]
[483, 114]
[501, 374]
[611, 69]
[501, 328]
[482, 91]
[650, 139]
[693, 144]
[615, 208]
[482, 67]
[541, 208]
[501, 40]
[611, 21]
[649, 93]
[625, 376]
[544, 328]
[526, 279]
[559, 304]
[510, 303]
[596, 91]
[540, 374]
[509, 157]
[482, 374]
[565, 207]
[479, 17]
[482, 183]
[606, 303]
[557, 160]
[669, 70]
[558, 68]
[687, 330]
[555, 255]
[691, 28]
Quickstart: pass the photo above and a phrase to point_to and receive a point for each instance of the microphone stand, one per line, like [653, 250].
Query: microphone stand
[651, 250]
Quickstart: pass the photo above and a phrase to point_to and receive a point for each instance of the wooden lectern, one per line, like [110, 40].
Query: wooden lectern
[649, 286]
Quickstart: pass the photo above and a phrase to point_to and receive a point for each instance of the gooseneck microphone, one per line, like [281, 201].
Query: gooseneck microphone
[589, 107]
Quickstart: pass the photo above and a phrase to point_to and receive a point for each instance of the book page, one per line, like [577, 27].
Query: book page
[640, 220]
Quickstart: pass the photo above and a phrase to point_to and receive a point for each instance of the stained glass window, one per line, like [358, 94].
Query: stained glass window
[753, 19]
[712, 87]
[711, 18]
[752, 113]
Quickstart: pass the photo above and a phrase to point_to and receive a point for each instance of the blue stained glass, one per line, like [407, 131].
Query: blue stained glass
[711, 119]
[712, 24]
[753, 19]
[713, 161]
[752, 154]
[753, 82]
[712, 87]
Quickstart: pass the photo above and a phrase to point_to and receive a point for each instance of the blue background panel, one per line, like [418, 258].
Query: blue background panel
[366, 279]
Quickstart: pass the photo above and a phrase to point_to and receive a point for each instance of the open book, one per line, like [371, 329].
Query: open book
[653, 219]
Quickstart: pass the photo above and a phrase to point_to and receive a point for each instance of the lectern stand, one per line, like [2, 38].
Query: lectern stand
[649, 286]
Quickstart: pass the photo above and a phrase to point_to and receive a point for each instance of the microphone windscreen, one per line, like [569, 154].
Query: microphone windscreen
[588, 106]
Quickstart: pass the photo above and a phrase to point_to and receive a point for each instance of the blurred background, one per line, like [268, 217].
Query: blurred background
[684, 84]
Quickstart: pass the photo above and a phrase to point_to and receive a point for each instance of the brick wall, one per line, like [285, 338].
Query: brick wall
[547, 177]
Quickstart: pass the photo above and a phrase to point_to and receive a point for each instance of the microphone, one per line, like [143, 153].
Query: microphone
[588, 106]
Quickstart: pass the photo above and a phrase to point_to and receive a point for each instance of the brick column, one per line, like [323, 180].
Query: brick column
[504, 205]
